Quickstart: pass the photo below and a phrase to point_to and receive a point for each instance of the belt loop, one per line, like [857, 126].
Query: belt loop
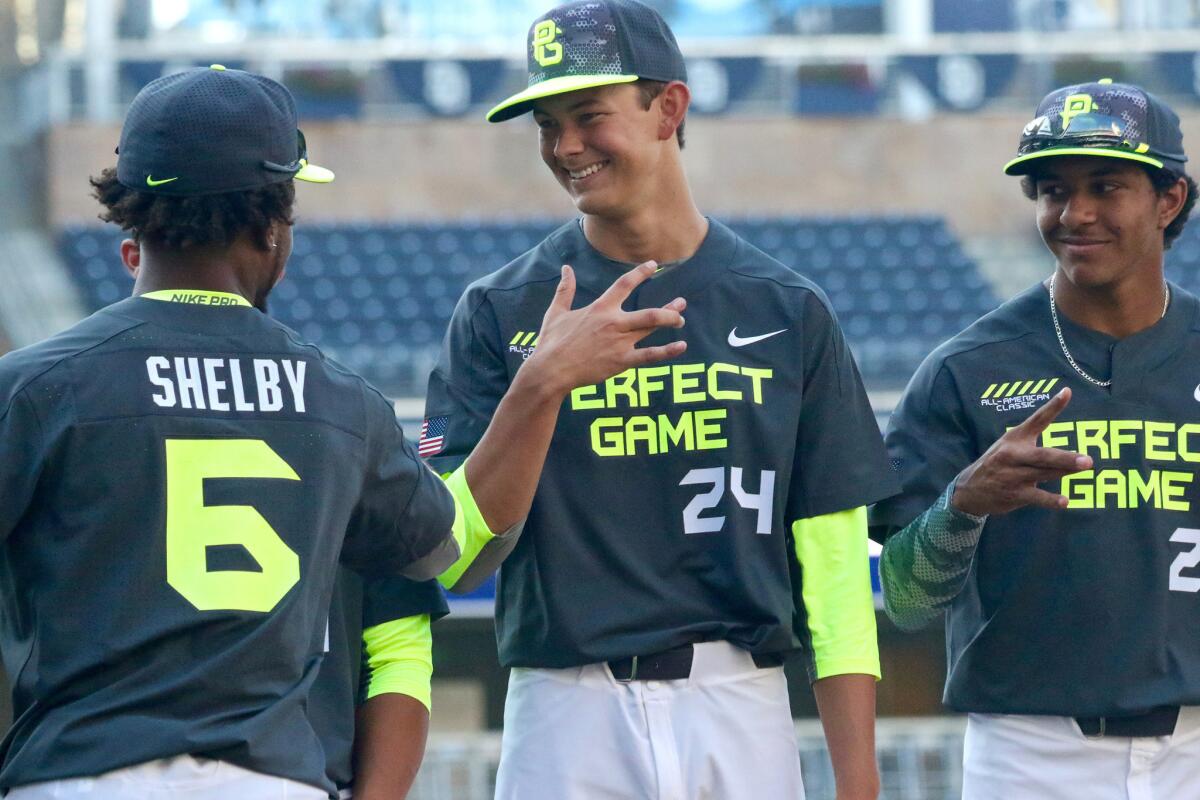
[1099, 734]
[632, 672]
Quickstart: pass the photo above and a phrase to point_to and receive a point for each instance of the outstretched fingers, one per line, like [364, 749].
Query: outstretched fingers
[651, 319]
[1043, 499]
[623, 286]
[640, 356]
[564, 295]
[1039, 420]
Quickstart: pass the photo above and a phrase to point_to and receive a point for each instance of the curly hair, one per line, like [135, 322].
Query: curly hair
[1162, 180]
[182, 223]
[651, 89]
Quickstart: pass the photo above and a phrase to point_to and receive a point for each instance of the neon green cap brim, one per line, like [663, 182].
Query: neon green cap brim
[314, 174]
[522, 102]
[1011, 167]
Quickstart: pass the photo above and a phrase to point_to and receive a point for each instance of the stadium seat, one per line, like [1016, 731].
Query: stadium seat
[378, 297]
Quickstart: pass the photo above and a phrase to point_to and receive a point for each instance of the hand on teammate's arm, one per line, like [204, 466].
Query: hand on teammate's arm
[1006, 477]
[847, 707]
[575, 348]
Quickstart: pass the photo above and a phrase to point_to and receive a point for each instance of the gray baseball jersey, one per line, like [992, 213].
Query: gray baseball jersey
[179, 481]
[1085, 611]
[664, 511]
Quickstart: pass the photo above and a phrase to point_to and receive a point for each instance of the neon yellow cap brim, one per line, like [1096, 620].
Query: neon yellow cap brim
[1010, 167]
[314, 174]
[522, 102]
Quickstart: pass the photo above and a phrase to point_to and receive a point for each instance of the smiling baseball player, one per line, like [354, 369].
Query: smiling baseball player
[1048, 455]
[695, 521]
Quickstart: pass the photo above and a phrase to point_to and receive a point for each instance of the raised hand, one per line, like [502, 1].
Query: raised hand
[588, 345]
[1005, 478]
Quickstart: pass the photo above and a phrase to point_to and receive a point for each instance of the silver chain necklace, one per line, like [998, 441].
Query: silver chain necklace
[1063, 342]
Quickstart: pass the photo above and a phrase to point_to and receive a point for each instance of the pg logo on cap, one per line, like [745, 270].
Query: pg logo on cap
[546, 51]
[1075, 105]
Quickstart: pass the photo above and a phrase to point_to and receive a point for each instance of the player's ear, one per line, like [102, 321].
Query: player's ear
[673, 104]
[1170, 203]
[131, 257]
[279, 243]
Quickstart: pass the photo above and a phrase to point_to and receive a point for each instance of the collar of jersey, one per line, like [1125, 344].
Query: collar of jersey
[685, 278]
[198, 297]
[1127, 358]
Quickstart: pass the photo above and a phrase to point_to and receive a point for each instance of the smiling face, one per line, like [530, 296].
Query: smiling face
[603, 146]
[1102, 218]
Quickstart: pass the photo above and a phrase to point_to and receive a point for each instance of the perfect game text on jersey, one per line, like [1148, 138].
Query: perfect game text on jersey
[1114, 442]
[682, 385]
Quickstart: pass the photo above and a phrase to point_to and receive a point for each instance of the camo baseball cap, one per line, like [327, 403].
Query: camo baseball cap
[591, 43]
[1113, 120]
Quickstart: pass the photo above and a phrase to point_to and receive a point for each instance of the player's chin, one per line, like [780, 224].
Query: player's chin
[1085, 272]
[594, 203]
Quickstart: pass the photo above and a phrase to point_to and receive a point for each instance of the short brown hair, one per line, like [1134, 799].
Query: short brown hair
[651, 89]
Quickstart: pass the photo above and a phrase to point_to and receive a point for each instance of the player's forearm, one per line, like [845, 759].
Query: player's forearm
[838, 606]
[847, 706]
[924, 566]
[505, 466]
[389, 744]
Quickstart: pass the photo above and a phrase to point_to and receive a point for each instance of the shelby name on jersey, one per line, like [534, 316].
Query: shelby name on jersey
[227, 384]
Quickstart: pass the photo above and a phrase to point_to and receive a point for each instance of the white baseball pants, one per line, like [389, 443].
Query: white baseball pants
[179, 778]
[724, 733]
[1047, 758]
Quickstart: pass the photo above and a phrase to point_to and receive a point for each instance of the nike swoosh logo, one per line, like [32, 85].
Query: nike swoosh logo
[151, 182]
[1196, 394]
[738, 341]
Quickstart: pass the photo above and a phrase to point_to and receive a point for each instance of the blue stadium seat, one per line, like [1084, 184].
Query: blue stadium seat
[379, 297]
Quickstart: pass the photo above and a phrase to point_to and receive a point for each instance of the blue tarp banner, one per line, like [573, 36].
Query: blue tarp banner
[449, 88]
[961, 82]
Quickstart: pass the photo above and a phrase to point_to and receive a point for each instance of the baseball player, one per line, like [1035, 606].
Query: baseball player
[180, 477]
[376, 674]
[695, 521]
[1047, 455]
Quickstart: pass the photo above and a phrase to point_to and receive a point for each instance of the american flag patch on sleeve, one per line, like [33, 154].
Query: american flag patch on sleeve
[433, 436]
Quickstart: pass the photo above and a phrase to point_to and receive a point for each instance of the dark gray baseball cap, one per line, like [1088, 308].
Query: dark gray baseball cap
[594, 43]
[210, 130]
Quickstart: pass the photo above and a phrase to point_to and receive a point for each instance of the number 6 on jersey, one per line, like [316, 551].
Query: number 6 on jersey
[193, 527]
